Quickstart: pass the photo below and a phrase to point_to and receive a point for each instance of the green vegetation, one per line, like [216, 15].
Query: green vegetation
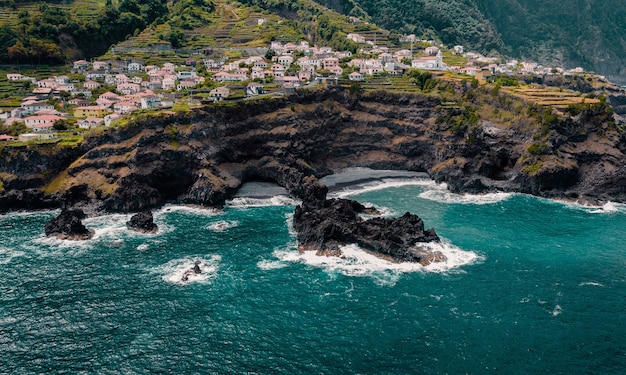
[587, 34]
[51, 33]
[532, 167]
[451, 21]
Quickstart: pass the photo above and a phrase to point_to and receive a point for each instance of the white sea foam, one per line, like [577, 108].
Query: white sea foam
[557, 310]
[590, 283]
[279, 200]
[193, 210]
[175, 270]
[357, 262]
[607, 208]
[52, 246]
[143, 247]
[6, 255]
[222, 225]
[382, 184]
[445, 196]
[271, 264]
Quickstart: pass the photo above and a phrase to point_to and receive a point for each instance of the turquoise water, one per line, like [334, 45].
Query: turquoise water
[532, 286]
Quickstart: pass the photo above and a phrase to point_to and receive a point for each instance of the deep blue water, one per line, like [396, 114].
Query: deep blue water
[532, 286]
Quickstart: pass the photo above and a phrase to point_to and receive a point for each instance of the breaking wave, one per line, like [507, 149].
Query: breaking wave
[175, 270]
[357, 262]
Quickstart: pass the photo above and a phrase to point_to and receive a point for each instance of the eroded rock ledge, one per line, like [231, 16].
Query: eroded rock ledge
[142, 222]
[324, 225]
[69, 226]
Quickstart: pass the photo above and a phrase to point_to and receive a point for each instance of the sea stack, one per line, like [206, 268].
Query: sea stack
[142, 222]
[326, 224]
[68, 226]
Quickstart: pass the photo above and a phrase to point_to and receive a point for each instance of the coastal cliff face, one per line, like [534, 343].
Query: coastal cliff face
[202, 157]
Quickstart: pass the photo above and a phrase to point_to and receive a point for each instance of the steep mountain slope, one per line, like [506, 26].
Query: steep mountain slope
[452, 21]
[588, 33]
[585, 33]
[53, 32]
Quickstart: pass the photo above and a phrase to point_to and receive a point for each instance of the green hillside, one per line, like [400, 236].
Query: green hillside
[587, 33]
[37, 32]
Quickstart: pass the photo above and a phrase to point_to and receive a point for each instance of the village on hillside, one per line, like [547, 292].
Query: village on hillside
[102, 92]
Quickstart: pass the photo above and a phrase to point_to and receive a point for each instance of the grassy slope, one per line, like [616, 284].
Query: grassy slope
[83, 9]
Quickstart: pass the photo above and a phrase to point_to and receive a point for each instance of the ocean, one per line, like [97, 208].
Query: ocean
[530, 286]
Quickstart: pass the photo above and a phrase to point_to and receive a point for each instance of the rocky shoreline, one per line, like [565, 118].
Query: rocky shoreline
[203, 157]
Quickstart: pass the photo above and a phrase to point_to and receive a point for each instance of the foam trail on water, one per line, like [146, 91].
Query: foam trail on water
[445, 196]
[590, 283]
[279, 200]
[357, 262]
[382, 184]
[270, 264]
[222, 225]
[607, 208]
[191, 210]
[175, 270]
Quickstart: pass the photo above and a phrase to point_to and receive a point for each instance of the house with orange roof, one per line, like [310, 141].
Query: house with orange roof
[123, 108]
[33, 121]
[6, 138]
[46, 127]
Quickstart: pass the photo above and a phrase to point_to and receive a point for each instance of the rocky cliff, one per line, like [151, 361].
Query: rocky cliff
[203, 157]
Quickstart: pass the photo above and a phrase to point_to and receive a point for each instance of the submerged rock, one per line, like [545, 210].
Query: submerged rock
[68, 226]
[336, 222]
[142, 222]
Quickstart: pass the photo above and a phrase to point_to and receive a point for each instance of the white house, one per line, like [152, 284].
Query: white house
[428, 62]
[128, 88]
[91, 85]
[254, 89]
[19, 77]
[47, 83]
[90, 122]
[150, 101]
[168, 83]
[110, 119]
[94, 75]
[135, 67]
[219, 93]
[43, 128]
[185, 85]
[32, 106]
[81, 65]
[186, 75]
[356, 76]
[100, 65]
[124, 107]
[285, 60]
[62, 80]
[356, 38]
[32, 121]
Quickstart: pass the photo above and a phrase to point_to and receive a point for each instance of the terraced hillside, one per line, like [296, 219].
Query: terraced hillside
[85, 10]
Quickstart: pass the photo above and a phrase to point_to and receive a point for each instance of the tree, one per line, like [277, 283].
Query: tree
[61, 125]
